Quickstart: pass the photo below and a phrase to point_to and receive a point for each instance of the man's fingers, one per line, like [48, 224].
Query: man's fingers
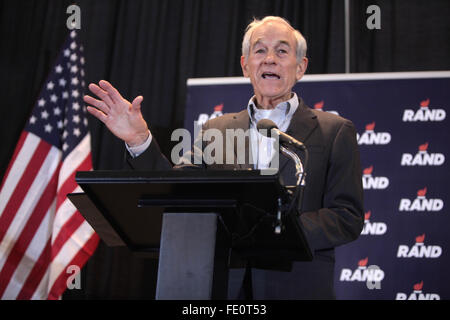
[97, 103]
[136, 104]
[97, 113]
[112, 92]
[99, 92]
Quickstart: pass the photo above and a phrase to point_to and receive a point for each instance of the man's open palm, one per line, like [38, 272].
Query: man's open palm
[123, 119]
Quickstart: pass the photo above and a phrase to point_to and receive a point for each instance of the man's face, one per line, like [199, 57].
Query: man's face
[272, 63]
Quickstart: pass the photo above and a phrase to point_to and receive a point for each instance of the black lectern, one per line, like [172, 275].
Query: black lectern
[195, 221]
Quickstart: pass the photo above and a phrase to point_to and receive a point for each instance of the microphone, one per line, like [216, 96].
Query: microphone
[300, 172]
[269, 125]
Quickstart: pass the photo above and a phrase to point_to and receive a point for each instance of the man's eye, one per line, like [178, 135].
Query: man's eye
[259, 51]
[282, 51]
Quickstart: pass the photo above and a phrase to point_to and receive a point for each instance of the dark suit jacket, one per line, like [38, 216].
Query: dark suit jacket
[332, 209]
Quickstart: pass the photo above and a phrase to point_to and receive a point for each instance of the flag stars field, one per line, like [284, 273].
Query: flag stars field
[75, 106]
[44, 114]
[62, 82]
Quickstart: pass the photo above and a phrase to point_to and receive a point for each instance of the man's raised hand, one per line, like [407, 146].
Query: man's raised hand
[122, 118]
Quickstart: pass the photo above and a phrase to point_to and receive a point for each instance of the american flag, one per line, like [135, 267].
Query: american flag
[43, 238]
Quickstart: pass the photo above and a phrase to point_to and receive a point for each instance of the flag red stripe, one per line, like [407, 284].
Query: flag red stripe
[23, 186]
[28, 232]
[36, 274]
[60, 285]
[66, 232]
[70, 184]
[19, 145]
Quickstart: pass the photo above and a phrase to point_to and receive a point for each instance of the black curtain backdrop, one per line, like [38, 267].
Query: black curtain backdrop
[151, 48]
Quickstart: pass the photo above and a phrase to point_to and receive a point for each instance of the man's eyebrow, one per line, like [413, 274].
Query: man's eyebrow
[258, 41]
[284, 42]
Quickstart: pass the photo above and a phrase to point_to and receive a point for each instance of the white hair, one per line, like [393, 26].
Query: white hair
[301, 42]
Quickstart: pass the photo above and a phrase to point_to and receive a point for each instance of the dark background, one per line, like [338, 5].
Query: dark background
[151, 48]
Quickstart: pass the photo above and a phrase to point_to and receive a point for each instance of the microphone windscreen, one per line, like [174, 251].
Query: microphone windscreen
[266, 124]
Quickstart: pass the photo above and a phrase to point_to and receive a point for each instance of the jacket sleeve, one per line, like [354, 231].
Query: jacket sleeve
[151, 159]
[154, 159]
[342, 217]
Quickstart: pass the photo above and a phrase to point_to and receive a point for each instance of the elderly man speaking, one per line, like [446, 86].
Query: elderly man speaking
[274, 58]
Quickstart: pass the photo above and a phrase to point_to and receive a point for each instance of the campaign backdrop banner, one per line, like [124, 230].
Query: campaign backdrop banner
[404, 140]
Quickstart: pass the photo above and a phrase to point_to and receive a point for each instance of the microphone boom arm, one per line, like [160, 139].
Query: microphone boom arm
[299, 172]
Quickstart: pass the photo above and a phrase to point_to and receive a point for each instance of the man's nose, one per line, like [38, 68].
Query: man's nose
[270, 57]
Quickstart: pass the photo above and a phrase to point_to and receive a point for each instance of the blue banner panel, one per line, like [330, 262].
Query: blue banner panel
[403, 134]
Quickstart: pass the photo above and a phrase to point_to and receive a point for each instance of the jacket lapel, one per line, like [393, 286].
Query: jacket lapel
[302, 124]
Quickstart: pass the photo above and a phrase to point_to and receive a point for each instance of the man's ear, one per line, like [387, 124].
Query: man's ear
[301, 68]
[244, 67]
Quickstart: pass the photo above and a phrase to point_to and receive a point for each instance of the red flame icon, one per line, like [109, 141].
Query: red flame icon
[363, 262]
[370, 126]
[423, 147]
[422, 192]
[418, 286]
[219, 107]
[318, 105]
[367, 215]
[368, 171]
[420, 239]
[425, 103]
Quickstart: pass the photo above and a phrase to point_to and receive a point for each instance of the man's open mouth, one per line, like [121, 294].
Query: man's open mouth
[270, 75]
